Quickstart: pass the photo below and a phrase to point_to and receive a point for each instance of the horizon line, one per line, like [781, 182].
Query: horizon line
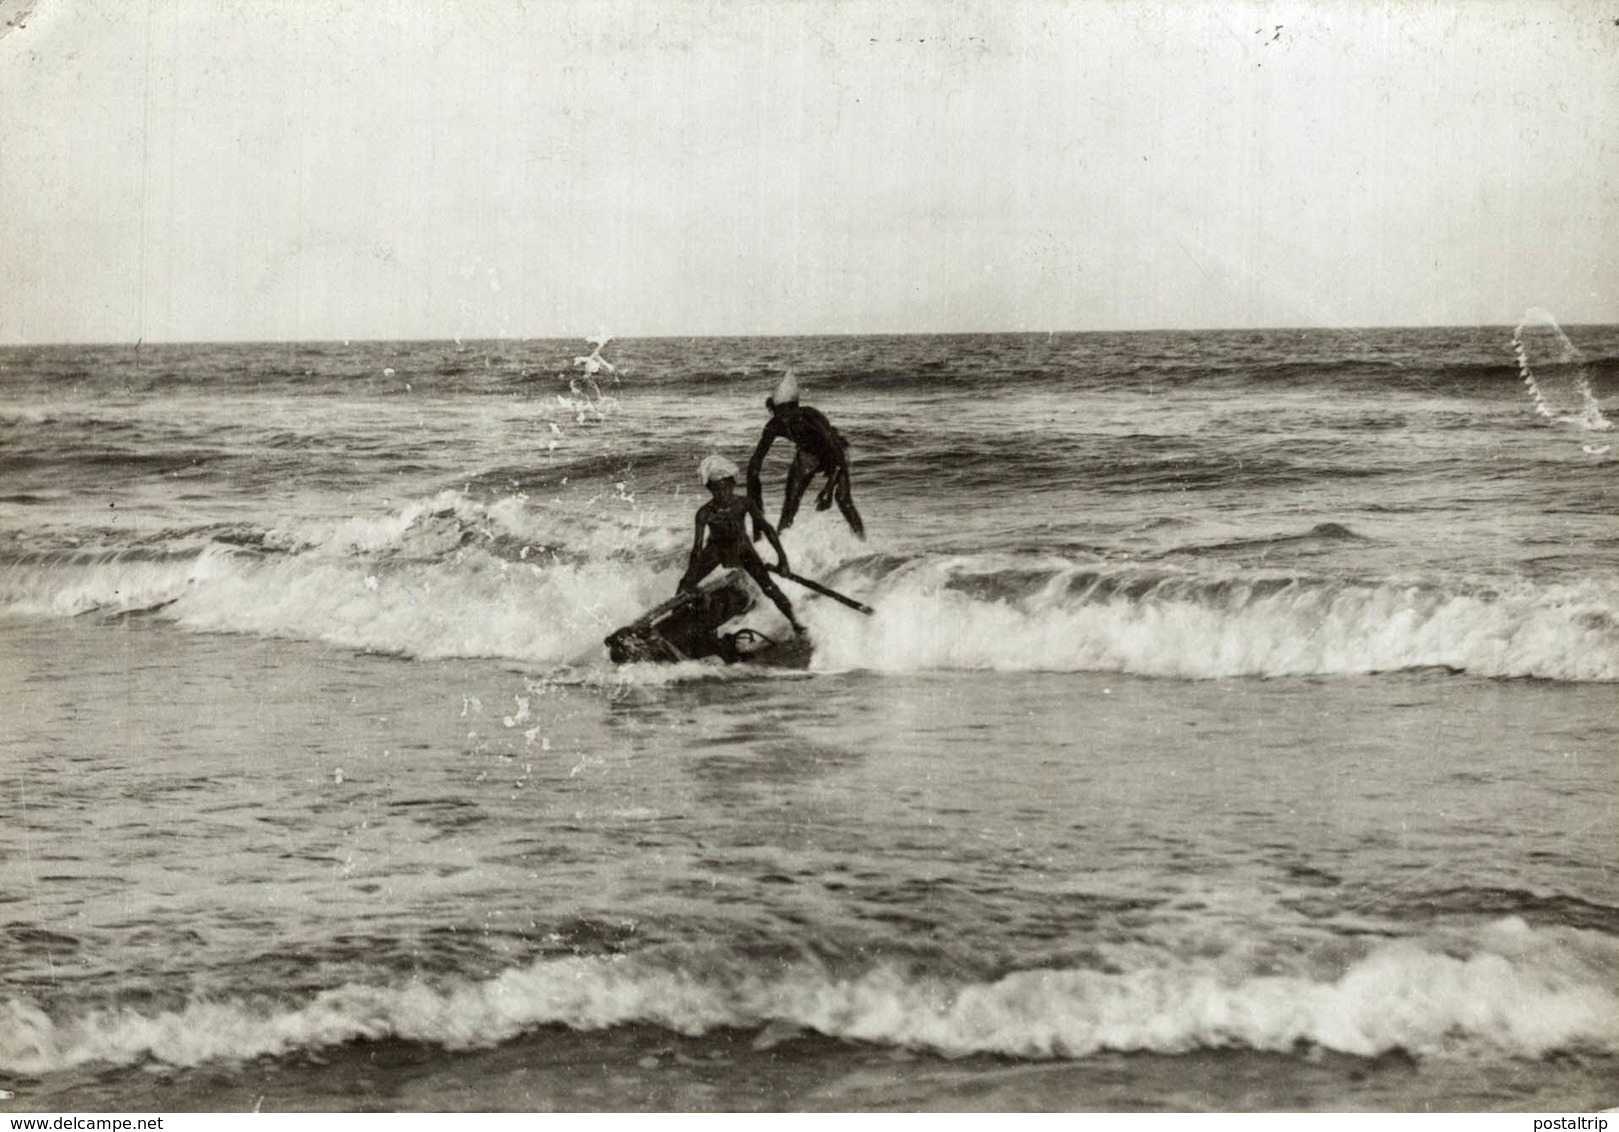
[140, 342]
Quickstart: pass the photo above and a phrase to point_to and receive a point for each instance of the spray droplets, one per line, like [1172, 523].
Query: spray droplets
[522, 713]
[1555, 373]
[586, 398]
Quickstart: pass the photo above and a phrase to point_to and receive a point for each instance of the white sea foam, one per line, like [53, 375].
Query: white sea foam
[1123, 620]
[67, 585]
[477, 606]
[1514, 990]
[451, 579]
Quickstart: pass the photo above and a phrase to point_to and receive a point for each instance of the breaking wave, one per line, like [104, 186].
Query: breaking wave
[448, 577]
[944, 613]
[1507, 988]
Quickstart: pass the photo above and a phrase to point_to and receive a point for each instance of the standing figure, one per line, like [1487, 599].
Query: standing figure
[821, 448]
[728, 544]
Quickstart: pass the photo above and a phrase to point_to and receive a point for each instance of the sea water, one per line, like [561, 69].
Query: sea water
[1236, 728]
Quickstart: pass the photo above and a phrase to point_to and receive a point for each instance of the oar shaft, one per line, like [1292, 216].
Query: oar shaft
[820, 589]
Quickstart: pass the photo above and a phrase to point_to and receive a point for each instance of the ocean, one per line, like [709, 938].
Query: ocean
[1236, 728]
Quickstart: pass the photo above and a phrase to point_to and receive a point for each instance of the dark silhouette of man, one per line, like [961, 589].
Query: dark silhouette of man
[821, 448]
[719, 540]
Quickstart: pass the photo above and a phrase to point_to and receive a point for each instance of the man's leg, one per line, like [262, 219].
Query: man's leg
[755, 567]
[700, 569]
[846, 502]
[798, 480]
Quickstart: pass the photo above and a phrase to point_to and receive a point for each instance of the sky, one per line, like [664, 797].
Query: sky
[176, 170]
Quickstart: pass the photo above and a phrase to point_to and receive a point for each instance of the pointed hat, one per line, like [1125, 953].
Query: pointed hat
[787, 392]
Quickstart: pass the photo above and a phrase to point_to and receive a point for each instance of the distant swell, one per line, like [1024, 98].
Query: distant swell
[1513, 990]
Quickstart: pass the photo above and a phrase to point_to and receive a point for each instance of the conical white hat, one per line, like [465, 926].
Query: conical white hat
[787, 392]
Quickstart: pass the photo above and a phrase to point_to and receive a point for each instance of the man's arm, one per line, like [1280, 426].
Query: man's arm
[697, 536]
[756, 462]
[762, 524]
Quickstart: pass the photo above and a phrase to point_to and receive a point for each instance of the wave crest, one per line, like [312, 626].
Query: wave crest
[1521, 992]
[1160, 622]
[545, 583]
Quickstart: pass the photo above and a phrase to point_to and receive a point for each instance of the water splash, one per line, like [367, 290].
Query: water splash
[586, 397]
[1555, 373]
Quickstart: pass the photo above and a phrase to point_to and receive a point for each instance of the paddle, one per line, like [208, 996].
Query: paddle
[820, 589]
